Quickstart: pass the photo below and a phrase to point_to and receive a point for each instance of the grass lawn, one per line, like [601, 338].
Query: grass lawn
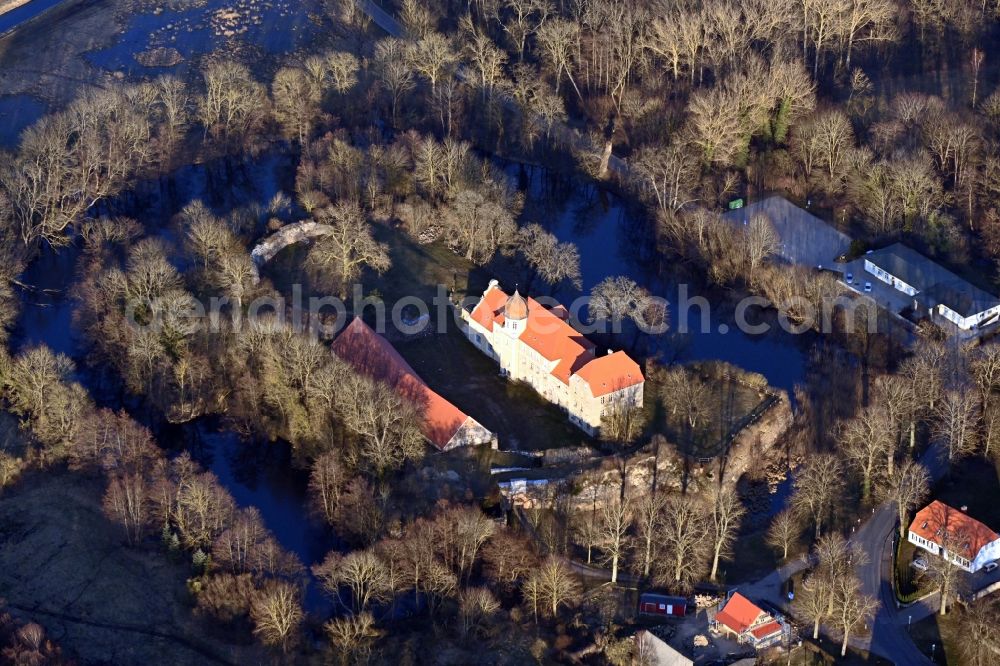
[417, 270]
[906, 575]
[728, 399]
[944, 633]
[752, 559]
[458, 371]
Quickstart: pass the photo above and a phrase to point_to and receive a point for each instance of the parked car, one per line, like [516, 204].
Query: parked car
[868, 286]
[990, 567]
[850, 278]
[920, 564]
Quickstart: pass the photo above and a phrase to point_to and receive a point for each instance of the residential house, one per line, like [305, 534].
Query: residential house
[954, 535]
[537, 345]
[741, 619]
[935, 290]
[444, 425]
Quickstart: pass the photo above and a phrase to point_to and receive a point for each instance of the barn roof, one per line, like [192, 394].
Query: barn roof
[372, 355]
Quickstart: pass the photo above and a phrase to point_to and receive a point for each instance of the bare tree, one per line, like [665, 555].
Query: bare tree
[818, 485]
[487, 59]
[785, 530]
[907, 489]
[760, 242]
[979, 626]
[615, 300]
[477, 606]
[685, 539]
[363, 571]
[387, 424]
[867, 440]
[726, 513]
[557, 40]
[894, 394]
[715, 126]
[296, 102]
[647, 518]
[615, 519]
[276, 611]
[854, 608]
[480, 226]
[955, 423]
[349, 247]
[433, 57]
[394, 70]
[551, 260]
[524, 17]
[126, 502]
[353, 636]
[669, 173]
[555, 584]
[943, 571]
[326, 480]
[234, 103]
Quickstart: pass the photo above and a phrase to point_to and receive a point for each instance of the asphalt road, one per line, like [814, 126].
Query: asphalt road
[890, 637]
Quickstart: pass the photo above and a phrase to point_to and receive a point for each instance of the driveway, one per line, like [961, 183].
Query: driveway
[889, 636]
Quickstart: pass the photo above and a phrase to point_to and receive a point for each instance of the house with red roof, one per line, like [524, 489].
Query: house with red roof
[954, 535]
[741, 619]
[444, 425]
[538, 345]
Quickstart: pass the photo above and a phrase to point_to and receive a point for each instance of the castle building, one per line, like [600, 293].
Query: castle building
[537, 345]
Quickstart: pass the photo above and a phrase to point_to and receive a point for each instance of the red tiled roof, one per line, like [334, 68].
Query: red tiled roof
[490, 309]
[966, 534]
[549, 334]
[738, 614]
[765, 630]
[556, 340]
[610, 373]
[372, 355]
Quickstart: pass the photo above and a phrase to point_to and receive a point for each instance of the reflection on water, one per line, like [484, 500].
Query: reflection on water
[261, 474]
[47, 309]
[612, 242]
[16, 113]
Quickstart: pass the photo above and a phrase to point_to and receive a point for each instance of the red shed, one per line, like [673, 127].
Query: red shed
[662, 605]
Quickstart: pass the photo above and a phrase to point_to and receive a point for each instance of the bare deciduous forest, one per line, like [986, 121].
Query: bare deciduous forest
[457, 139]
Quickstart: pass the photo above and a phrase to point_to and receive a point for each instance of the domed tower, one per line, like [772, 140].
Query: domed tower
[515, 313]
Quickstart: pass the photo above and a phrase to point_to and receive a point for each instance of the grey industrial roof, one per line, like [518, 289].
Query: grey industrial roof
[934, 283]
[805, 239]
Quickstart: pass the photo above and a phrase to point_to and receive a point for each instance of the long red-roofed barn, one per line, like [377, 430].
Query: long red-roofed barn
[444, 425]
[537, 345]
